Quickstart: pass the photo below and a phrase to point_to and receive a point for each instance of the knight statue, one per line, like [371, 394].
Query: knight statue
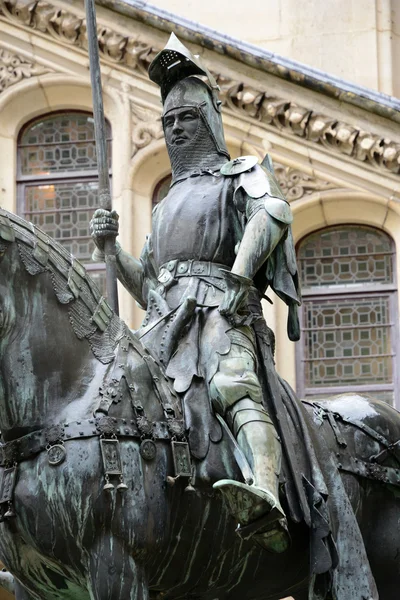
[219, 239]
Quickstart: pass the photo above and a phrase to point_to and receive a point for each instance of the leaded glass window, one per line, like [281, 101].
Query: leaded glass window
[161, 189]
[348, 320]
[57, 181]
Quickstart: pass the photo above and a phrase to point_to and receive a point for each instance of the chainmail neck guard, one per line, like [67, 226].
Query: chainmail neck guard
[196, 156]
[206, 151]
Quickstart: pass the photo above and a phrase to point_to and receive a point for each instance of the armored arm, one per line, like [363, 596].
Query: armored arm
[266, 251]
[262, 234]
[130, 270]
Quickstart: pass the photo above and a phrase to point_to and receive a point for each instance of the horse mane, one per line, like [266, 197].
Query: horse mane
[90, 315]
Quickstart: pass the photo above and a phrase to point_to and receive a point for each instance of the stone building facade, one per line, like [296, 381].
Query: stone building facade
[357, 40]
[335, 148]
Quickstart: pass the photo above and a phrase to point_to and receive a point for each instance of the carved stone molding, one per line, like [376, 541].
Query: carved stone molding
[295, 184]
[282, 113]
[288, 116]
[71, 29]
[14, 68]
[146, 127]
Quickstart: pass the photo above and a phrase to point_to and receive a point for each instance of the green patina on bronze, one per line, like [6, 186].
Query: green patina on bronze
[128, 458]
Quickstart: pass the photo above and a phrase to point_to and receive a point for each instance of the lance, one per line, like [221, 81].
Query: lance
[101, 150]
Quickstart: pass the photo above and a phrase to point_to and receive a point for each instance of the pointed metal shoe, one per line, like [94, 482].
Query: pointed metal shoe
[247, 503]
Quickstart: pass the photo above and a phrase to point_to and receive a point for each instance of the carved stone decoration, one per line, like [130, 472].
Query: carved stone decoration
[295, 184]
[71, 29]
[302, 122]
[21, 11]
[14, 68]
[139, 55]
[146, 127]
[344, 138]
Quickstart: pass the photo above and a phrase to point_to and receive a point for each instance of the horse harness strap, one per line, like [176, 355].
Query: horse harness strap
[108, 429]
[369, 469]
[33, 443]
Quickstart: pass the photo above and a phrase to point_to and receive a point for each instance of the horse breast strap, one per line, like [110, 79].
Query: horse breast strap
[33, 443]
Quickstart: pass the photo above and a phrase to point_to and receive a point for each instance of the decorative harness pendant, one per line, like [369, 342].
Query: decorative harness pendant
[110, 452]
[56, 454]
[7, 492]
[7, 485]
[181, 458]
[111, 457]
[148, 450]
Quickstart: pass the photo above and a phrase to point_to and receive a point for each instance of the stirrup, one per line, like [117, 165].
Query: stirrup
[272, 536]
[260, 516]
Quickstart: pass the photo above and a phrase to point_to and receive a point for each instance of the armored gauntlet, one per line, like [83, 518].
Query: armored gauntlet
[236, 293]
[104, 223]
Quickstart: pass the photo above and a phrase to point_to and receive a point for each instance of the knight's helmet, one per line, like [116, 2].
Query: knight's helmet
[177, 71]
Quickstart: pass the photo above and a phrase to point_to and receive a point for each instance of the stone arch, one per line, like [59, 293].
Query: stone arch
[317, 211]
[336, 207]
[42, 95]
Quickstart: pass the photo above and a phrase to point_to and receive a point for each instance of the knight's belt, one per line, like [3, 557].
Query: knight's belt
[35, 442]
[190, 268]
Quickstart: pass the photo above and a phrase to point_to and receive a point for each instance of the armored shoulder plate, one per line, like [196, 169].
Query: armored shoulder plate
[279, 209]
[255, 179]
[239, 165]
[256, 182]
[259, 182]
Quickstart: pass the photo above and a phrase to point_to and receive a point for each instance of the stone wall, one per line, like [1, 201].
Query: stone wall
[358, 40]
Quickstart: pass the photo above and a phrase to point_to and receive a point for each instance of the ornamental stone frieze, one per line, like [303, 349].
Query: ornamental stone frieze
[269, 110]
[146, 127]
[14, 68]
[71, 29]
[295, 184]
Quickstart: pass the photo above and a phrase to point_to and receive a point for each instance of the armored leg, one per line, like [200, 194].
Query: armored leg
[256, 435]
[236, 394]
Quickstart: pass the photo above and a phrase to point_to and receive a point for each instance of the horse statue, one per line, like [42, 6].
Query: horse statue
[100, 498]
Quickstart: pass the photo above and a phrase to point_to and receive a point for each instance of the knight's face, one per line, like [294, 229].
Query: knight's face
[180, 125]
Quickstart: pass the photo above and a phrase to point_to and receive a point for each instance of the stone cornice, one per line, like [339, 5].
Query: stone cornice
[257, 57]
[241, 99]
[14, 68]
[290, 117]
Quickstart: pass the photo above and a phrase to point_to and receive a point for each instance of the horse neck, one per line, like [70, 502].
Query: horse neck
[47, 375]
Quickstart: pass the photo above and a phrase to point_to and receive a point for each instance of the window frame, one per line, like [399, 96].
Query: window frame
[88, 175]
[351, 291]
[155, 200]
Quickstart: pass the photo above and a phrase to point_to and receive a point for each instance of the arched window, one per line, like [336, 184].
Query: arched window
[161, 189]
[349, 314]
[57, 181]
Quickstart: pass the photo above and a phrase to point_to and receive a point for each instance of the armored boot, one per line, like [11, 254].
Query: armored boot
[257, 507]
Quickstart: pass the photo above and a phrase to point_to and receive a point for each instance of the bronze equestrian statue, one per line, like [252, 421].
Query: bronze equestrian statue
[221, 236]
[128, 459]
